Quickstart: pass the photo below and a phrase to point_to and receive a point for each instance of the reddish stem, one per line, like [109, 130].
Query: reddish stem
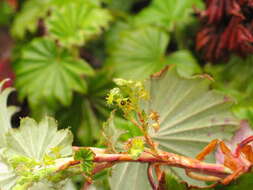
[242, 144]
[150, 177]
[164, 158]
[169, 159]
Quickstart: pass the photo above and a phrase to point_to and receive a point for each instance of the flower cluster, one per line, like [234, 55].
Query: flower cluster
[227, 28]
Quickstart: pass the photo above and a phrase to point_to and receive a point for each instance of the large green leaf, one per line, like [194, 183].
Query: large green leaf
[191, 115]
[47, 72]
[35, 140]
[77, 22]
[167, 13]
[139, 53]
[5, 113]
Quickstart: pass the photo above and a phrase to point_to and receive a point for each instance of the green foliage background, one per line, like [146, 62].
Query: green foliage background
[66, 53]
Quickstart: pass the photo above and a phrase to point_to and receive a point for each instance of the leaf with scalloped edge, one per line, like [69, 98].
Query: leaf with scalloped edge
[5, 113]
[27, 19]
[138, 53]
[35, 140]
[167, 13]
[77, 22]
[53, 70]
[191, 115]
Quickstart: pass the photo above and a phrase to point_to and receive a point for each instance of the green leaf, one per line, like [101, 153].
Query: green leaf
[88, 112]
[172, 182]
[77, 22]
[120, 5]
[235, 79]
[86, 156]
[53, 70]
[186, 64]
[229, 80]
[113, 35]
[191, 115]
[27, 19]
[5, 113]
[22, 161]
[167, 13]
[36, 140]
[139, 53]
[244, 182]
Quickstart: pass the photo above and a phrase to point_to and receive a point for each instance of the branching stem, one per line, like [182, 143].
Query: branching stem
[164, 158]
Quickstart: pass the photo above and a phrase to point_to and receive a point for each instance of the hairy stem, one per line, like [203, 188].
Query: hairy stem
[164, 158]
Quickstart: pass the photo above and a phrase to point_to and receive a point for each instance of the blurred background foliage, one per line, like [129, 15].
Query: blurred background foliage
[61, 56]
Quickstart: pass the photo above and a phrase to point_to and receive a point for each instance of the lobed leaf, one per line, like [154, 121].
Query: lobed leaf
[167, 13]
[35, 140]
[23, 160]
[86, 157]
[139, 53]
[54, 70]
[190, 116]
[77, 22]
[27, 19]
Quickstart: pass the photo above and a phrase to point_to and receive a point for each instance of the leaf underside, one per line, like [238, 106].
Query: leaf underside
[191, 115]
[35, 140]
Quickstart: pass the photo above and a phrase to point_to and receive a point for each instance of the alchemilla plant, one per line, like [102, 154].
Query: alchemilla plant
[119, 95]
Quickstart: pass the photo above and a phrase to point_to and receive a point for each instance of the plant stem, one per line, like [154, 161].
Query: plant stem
[163, 158]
